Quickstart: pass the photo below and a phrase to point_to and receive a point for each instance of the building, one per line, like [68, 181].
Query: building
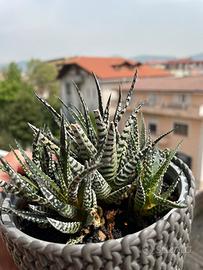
[175, 103]
[184, 66]
[111, 71]
[180, 67]
[170, 102]
[58, 62]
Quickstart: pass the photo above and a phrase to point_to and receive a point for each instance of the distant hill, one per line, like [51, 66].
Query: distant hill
[197, 57]
[21, 64]
[141, 58]
[146, 58]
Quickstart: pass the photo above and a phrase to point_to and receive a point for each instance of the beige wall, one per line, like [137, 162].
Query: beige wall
[164, 115]
[190, 143]
[164, 112]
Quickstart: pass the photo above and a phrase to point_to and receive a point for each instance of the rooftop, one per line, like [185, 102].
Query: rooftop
[185, 84]
[183, 61]
[107, 68]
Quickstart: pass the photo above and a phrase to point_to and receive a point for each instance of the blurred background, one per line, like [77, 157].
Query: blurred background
[45, 45]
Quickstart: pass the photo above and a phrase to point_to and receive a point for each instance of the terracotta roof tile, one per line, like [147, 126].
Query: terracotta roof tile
[172, 84]
[114, 67]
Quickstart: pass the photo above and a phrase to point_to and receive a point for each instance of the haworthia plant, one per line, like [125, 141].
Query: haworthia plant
[92, 164]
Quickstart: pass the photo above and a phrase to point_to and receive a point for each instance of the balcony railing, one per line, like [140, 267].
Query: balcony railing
[173, 109]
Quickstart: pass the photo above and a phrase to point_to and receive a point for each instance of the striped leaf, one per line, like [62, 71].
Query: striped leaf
[147, 167]
[90, 132]
[99, 95]
[118, 195]
[108, 167]
[45, 139]
[118, 107]
[29, 179]
[64, 209]
[54, 113]
[37, 173]
[74, 185]
[36, 218]
[9, 188]
[143, 132]
[38, 209]
[101, 129]
[157, 180]
[76, 114]
[159, 200]
[65, 227]
[106, 111]
[88, 195]
[36, 149]
[127, 101]
[76, 166]
[129, 172]
[100, 186]
[162, 136]
[20, 185]
[171, 188]
[155, 211]
[17, 179]
[140, 196]
[123, 143]
[86, 148]
[64, 159]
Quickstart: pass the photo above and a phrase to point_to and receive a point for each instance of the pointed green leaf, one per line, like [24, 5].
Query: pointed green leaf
[106, 112]
[140, 196]
[99, 95]
[128, 99]
[108, 167]
[65, 227]
[86, 148]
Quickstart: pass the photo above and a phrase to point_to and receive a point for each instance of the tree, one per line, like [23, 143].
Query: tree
[42, 76]
[10, 86]
[18, 105]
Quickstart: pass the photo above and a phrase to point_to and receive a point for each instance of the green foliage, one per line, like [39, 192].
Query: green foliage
[10, 86]
[42, 76]
[93, 164]
[18, 105]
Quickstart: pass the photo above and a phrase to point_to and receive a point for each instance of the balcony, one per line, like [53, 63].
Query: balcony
[173, 109]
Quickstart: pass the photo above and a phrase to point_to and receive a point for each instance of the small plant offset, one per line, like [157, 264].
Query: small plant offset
[95, 182]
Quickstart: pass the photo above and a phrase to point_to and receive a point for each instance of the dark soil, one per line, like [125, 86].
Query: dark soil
[117, 224]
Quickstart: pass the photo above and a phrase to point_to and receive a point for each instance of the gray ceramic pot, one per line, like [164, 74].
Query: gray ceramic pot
[195, 253]
[162, 245]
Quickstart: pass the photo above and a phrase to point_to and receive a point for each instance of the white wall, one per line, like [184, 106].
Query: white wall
[88, 88]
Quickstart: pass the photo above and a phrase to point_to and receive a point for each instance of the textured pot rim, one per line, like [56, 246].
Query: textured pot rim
[9, 226]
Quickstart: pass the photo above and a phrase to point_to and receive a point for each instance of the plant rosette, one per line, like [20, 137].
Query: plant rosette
[97, 197]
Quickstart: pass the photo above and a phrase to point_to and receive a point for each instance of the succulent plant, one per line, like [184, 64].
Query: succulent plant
[69, 180]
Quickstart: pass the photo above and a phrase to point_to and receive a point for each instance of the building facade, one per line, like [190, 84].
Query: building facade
[111, 72]
[170, 102]
[175, 103]
[180, 67]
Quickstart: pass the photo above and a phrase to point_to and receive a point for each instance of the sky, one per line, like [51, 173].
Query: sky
[49, 29]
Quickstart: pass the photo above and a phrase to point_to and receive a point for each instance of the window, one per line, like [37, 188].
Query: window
[180, 129]
[152, 100]
[182, 100]
[152, 128]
